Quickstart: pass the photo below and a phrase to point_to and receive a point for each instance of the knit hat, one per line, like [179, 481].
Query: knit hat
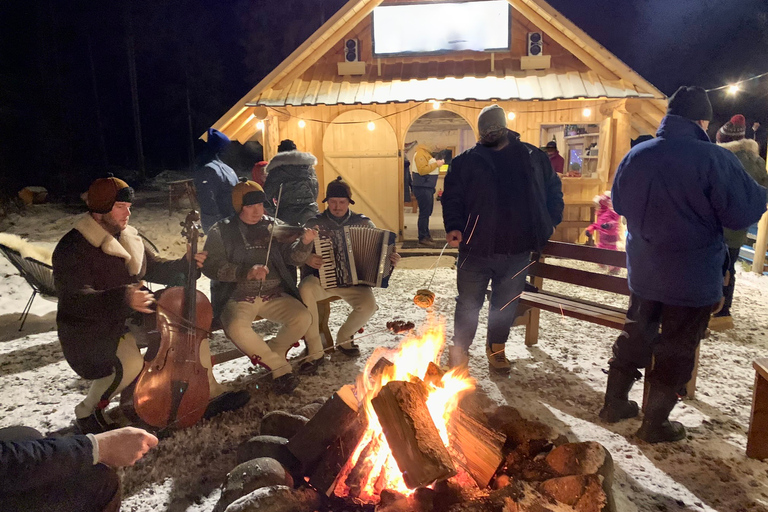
[338, 188]
[640, 139]
[691, 103]
[247, 193]
[492, 118]
[105, 192]
[217, 141]
[286, 145]
[735, 129]
[258, 173]
[551, 144]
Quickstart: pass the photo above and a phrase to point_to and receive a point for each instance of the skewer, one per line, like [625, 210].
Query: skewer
[272, 233]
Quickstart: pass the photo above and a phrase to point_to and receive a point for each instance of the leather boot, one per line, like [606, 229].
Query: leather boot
[656, 427]
[617, 405]
[497, 360]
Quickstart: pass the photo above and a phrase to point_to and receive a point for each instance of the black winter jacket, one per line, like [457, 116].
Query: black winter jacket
[470, 201]
[294, 170]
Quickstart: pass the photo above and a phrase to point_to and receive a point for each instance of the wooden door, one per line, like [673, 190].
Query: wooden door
[367, 159]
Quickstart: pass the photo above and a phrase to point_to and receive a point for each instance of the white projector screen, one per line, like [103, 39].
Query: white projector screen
[441, 27]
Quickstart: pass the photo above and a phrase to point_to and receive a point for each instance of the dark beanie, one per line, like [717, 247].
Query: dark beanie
[691, 103]
[286, 145]
[640, 139]
[217, 141]
[105, 192]
[247, 193]
[492, 118]
[735, 129]
[338, 188]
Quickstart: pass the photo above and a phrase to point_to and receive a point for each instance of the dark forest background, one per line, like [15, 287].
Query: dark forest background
[77, 77]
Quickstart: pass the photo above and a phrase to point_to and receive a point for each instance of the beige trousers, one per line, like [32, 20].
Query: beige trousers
[237, 318]
[359, 297]
[132, 363]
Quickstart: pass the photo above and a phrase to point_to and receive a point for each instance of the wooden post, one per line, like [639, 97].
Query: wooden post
[760, 245]
[622, 139]
[532, 325]
[757, 439]
[271, 137]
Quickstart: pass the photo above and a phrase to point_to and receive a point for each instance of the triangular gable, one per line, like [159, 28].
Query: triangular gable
[605, 66]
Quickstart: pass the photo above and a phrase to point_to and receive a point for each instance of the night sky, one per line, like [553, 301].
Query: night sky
[65, 91]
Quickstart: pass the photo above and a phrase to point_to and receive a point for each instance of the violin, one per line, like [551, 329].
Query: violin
[172, 388]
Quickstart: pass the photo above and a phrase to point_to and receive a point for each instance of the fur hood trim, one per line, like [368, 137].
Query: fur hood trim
[27, 249]
[129, 247]
[291, 158]
[748, 145]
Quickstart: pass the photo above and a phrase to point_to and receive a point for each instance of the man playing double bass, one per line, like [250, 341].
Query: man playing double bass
[97, 268]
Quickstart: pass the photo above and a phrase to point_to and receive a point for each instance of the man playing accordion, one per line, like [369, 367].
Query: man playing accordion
[337, 216]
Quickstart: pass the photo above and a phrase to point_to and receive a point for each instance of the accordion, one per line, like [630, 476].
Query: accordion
[355, 255]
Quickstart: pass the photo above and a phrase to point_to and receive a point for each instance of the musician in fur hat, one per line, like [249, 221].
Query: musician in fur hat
[97, 269]
[237, 250]
[337, 215]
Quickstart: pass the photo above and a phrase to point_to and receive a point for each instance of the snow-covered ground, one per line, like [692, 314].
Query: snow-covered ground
[560, 382]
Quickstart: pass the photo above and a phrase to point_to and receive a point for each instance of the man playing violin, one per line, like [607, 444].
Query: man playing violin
[237, 249]
[97, 268]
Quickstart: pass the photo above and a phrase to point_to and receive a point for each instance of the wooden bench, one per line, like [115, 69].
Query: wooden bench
[574, 307]
[757, 439]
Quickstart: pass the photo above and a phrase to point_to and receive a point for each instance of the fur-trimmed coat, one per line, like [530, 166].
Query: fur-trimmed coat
[92, 271]
[747, 151]
[296, 172]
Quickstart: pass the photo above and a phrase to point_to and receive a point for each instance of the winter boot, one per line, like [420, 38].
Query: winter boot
[497, 360]
[721, 322]
[458, 357]
[617, 404]
[656, 427]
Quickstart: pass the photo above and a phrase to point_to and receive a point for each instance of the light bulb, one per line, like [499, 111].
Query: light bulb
[511, 116]
[733, 89]
[587, 112]
[302, 123]
[371, 126]
[260, 125]
[436, 105]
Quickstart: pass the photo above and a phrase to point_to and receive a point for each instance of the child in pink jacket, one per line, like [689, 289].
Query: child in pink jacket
[607, 224]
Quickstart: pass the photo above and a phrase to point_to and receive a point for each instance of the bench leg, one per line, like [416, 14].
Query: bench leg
[324, 313]
[757, 439]
[532, 327]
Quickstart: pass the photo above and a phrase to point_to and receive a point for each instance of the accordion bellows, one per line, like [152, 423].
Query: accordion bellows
[355, 255]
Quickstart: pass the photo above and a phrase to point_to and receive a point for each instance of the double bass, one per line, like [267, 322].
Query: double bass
[172, 388]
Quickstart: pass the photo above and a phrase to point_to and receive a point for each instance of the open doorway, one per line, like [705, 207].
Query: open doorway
[443, 134]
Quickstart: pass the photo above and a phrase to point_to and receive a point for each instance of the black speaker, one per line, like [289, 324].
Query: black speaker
[535, 44]
[352, 50]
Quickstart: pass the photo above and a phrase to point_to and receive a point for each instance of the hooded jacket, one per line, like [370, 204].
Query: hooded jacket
[213, 183]
[677, 192]
[92, 271]
[470, 199]
[295, 171]
[747, 151]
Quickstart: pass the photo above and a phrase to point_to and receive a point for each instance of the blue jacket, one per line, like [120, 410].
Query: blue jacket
[214, 183]
[677, 192]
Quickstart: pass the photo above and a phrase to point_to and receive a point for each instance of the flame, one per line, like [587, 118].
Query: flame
[372, 468]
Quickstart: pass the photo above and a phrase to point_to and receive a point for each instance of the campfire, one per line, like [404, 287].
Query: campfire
[409, 436]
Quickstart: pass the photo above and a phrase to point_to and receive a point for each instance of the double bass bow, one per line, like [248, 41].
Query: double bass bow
[172, 389]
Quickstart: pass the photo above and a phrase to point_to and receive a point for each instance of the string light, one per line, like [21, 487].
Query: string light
[371, 126]
[586, 112]
[736, 86]
[733, 89]
[511, 116]
[435, 104]
[302, 123]
[260, 125]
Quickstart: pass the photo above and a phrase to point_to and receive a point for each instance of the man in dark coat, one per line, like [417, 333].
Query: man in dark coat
[295, 171]
[66, 474]
[677, 192]
[502, 201]
[97, 268]
[214, 181]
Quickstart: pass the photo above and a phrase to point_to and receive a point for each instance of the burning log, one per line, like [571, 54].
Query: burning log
[474, 446]
[326, 426]
[360, 475]
[325, 475]
[433, 375]
[412, 435]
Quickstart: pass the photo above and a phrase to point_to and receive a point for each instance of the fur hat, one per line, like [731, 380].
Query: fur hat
[338, 188]
[735, 129]
[691, 103]
[286, 145]
[217, 141]
[492, 118]
[105, 192]
[247, 193]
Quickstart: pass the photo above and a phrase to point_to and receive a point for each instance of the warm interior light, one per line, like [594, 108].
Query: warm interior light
[511, 116]
[260, 125]
[587, 112]
[436, 105]
[371, 125]
[733, 89]
[302, 123]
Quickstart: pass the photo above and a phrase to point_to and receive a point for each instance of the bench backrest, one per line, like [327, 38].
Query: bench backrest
[595, 280]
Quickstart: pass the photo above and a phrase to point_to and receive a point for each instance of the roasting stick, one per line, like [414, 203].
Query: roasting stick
[437, 265]
[272, 232]
[425, 298]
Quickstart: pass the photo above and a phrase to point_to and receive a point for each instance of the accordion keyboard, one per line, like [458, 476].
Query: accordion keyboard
[327, 272]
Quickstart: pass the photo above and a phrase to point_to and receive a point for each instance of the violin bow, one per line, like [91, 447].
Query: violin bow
[272, 232]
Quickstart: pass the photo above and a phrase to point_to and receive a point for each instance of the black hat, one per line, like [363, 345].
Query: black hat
[551, 144]
[640, 139]
[338, 188]
[286, 145]
[691, 103]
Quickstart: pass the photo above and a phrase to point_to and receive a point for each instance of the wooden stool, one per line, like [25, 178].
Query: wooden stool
[757, 439]
[181, 189]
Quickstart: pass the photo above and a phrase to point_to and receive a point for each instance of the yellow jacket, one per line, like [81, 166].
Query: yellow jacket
[423, 161]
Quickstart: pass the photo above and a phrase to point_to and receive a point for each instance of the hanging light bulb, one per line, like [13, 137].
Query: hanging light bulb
[511, 116]
[436, 105]
[733, 89]
[371, 125]
[302, 123]
[586, 112]
[260, 125]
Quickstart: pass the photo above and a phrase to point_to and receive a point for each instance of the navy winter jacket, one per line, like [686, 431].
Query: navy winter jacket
[470, 195]
[214, 183]
[677, 192]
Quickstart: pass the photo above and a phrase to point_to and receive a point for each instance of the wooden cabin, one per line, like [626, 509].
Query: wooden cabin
[353, 112]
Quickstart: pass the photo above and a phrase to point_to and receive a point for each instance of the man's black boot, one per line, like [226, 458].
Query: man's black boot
[656, 427]
[617, 405]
